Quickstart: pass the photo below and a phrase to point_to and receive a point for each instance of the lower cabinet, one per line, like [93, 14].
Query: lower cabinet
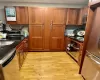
[74, 49]
[21, 51]
[57, 37]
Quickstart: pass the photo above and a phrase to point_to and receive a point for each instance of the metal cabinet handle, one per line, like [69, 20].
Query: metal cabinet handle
[51, 24]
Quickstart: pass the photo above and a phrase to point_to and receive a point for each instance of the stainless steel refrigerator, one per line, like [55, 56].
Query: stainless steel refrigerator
[91, 64]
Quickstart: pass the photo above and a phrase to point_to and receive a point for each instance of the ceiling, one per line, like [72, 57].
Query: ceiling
[50, 1]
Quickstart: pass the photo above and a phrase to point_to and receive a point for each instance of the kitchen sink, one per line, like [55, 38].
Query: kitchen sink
[5, 43]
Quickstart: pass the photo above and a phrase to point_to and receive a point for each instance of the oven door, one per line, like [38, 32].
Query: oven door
[91, 68]
[11, 68]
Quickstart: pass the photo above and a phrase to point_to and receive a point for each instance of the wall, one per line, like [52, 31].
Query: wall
[35, 5]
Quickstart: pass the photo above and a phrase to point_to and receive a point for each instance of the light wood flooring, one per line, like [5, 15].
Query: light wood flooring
[49, 66]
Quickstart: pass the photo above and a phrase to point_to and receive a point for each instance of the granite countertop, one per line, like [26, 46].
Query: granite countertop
[4, 50]
[75, 38]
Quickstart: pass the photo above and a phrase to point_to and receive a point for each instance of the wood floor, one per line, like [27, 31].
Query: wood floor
[49, 66]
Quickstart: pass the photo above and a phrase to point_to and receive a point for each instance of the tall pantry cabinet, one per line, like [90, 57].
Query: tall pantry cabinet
[36, 28]
[46, 28]
[57, 29]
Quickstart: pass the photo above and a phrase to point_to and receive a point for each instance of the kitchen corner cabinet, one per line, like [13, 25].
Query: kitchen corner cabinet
[21, 15]
[58, 16]
[82, 12]
[72, 16]
[21, 51]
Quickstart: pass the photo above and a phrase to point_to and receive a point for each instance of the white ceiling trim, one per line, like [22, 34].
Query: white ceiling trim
[42, 5]
[50, 1]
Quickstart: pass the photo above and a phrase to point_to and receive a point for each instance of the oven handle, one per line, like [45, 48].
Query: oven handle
[94, 58]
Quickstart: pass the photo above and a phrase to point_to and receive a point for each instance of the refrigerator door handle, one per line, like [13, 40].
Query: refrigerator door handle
[94, 58]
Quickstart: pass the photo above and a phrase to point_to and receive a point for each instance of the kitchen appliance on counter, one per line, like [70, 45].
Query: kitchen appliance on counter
[2, 27]
[91, 64]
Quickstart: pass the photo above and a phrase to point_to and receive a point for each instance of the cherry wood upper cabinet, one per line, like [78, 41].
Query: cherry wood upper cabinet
[57, 37]
[80, 16]
[82, 13]
[36, 15]
[36, 37]
[72, 16]
[59, 16]
[22, 15]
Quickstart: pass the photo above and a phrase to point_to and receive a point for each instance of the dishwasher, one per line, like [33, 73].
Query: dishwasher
[10, 67]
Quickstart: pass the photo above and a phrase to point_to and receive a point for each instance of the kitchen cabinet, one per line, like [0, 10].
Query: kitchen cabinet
[21, 51]
[80, 55]
[36, 15]
[57, 29]
[36, 37]
[22, 15]
[72, 16]
[20, 55]
[25, 47]
[80, 16]
[36, 28]
[58, 16]
[57, 37]
[74, 49]
[46, 25]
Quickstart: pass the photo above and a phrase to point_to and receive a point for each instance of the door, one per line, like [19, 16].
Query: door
[36, 37]
[36, 15]
[22, 15]
[93, 45]
[57, 37]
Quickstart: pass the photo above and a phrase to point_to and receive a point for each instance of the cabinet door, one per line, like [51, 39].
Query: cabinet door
[22, 15]
[36, 37]
[80, 16]
[59, 16]
[57, 37]
[72, 16]
[36, 15]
